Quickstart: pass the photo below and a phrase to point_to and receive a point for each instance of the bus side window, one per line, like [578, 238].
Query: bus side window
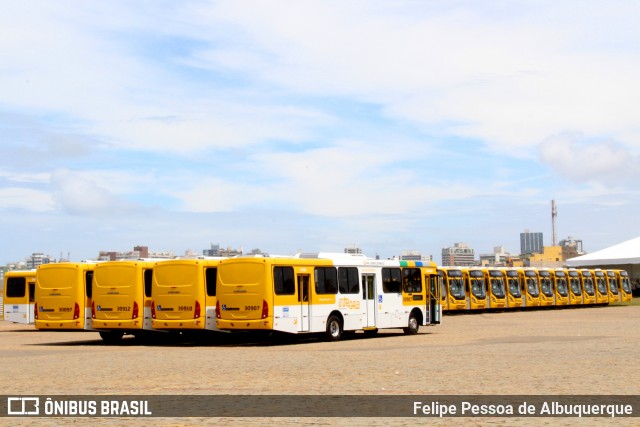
[32, 291]
[283, 281]
[15, 287]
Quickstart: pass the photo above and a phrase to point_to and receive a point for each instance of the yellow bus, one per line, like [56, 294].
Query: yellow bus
[575, 287]
[547, 294]
[588, 287]
[456, 290]
[602, 293]
[515, 288]
[122, 298]
[19, 287]
[624, 282]
[531, 292]
[326, 293]
[560, 286]
[476, 283]
[63, 296]
[184, 294]
[613, 293]
[497, 288]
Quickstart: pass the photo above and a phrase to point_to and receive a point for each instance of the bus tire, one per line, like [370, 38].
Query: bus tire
[334, 328]
[111, 337]
[412, 326]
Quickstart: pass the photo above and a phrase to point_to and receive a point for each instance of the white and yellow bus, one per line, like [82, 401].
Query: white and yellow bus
[184, 294]
[122, 298]
[19, 287]
[63, 296]
[602, 293]
[328, 293]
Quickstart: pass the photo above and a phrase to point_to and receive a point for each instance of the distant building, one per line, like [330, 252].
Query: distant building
[530, 242]
[37, 259]
[137, 253]
[499, 258]
[571, 247]
[221, 252]
[550, 257]
[460, 254]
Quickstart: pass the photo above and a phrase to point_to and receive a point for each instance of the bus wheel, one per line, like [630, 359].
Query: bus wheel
[413, 325]
[111, 337]
[334, 328]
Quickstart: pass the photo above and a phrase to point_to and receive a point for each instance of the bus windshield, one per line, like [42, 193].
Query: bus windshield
[456, 288]
[514, 288]
[497, 287]
[477, 288]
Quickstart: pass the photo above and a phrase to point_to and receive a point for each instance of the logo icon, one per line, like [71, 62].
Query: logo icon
[23, 405]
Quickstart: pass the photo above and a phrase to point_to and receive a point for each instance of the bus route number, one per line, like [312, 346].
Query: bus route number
[65, 309]
[251, 307]
[185, 308]
[124, 308]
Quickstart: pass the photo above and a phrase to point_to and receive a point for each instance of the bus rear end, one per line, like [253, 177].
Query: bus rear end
[63, 296]
[245, 298]
[122, 296]
[19, 288]
[184, 294]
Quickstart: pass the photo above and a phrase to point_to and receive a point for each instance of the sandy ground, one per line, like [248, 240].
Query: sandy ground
[558, 352]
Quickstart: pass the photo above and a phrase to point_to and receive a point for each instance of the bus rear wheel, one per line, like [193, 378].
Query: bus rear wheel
[412, 326]
[334, 328]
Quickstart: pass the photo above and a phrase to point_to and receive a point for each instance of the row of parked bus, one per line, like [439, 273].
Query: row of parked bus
[477, 288]
[314, 293]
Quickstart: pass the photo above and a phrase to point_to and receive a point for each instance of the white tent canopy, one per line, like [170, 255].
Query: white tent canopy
[623, 253]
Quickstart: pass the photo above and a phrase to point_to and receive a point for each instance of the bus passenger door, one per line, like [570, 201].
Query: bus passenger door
[303, 300]
[369, 299]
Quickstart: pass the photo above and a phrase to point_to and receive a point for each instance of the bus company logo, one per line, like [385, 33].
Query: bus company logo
[225, 308]
[23, 406]
[99, 308]
[41, 309]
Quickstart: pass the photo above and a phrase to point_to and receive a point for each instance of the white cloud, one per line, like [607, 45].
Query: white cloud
[81, 194]
[602, 161]
[25, 199]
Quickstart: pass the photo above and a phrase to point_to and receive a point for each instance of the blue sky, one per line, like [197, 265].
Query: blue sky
[316, 125]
